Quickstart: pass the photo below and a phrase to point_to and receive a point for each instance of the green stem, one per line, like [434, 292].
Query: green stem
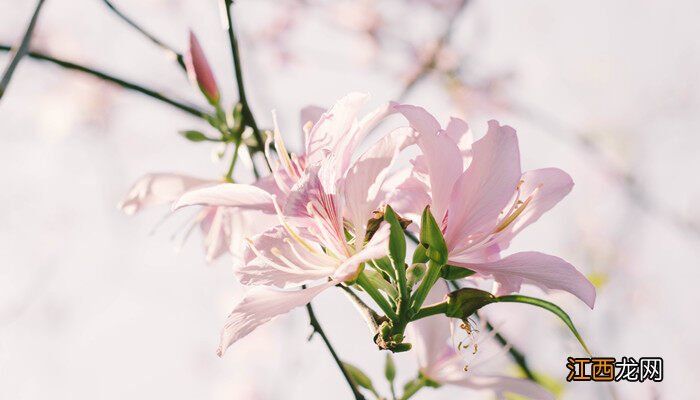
[431, 276]
[21, 50]
[192, 110]
[376, 295]
[168, 50]
[229, 174]
[317, 329]
[439, 308]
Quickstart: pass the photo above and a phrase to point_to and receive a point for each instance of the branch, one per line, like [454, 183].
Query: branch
[169, 50]
[21, 50]
[192, 110]
[371, 317]
[317, 329]
[247, 113]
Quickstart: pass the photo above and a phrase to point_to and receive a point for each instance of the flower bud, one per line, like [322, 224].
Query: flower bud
[466, 301]
[199, 71]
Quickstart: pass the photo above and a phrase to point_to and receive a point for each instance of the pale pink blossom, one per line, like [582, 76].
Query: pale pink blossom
[482, 200]
[443, 362]
[324, 201]
[223, 229]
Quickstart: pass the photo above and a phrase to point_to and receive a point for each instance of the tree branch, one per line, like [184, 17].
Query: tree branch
[21, 50]
[190, 109]
[247, 112]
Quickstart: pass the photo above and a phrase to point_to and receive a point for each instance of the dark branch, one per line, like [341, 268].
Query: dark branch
[192, 110]
[21, 50]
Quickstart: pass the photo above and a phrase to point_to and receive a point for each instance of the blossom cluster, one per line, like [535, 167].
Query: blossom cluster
[339, 213]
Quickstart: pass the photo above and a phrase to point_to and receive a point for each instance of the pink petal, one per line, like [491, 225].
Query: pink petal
[543, 270]
[441, 154]
[156, 189]
[259, 306]
[484, 189]
[500, 385]
[269, 263]
[333, 126]
[364, 182]
[228, 195]
[377, 247]
[547, 187]
[199, 71]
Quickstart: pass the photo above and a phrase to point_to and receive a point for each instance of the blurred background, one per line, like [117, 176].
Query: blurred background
[98, 305]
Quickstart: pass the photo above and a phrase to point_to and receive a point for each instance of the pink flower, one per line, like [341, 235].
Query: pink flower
[224, 230]
[328, 197]
[482, 200]
[199, 71]
[441, 363]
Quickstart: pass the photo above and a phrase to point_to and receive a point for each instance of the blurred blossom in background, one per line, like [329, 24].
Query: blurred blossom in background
[94, 304]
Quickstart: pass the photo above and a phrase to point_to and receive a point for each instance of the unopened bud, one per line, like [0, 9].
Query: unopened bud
[199, 71]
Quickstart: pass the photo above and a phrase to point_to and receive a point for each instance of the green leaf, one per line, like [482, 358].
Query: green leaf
[360, 378]
[452, 272]
[431, 238]
[389, 368]
[397, 240]
[466, 301]
[194, 136]
[547, 306]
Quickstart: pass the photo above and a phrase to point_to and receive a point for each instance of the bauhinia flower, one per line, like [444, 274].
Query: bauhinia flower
[441, 362]
[224, 230]
[328, 197]
[482, 199]
[199, 71]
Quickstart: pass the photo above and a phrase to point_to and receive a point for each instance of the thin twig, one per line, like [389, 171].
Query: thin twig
[169, 50]
[247, 113]
[190, 109]
[317, 329]
[21, 50]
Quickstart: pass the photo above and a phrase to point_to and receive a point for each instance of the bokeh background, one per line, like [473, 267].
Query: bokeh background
[96, 305]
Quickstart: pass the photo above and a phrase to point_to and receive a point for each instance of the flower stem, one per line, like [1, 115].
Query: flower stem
[317, 329]
[21, 50]
[431, 276]
[439, 308]
[413, 388]
[169, 50]
[192, 110]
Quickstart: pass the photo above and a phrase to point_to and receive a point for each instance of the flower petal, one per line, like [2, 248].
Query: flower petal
[440, 153]
[228, 195]
[156, 189]
[377, 247]
[333, 126]
[543, 270]
[547, 187]
[275, 258]
[259, 306]
[365, 179]
[484, 189]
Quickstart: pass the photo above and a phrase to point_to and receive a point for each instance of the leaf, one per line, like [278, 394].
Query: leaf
[360, 378]
[452, 272]
[431, 238]
[194, 136]
[466, 301]
[547, 306]
[389, 368]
